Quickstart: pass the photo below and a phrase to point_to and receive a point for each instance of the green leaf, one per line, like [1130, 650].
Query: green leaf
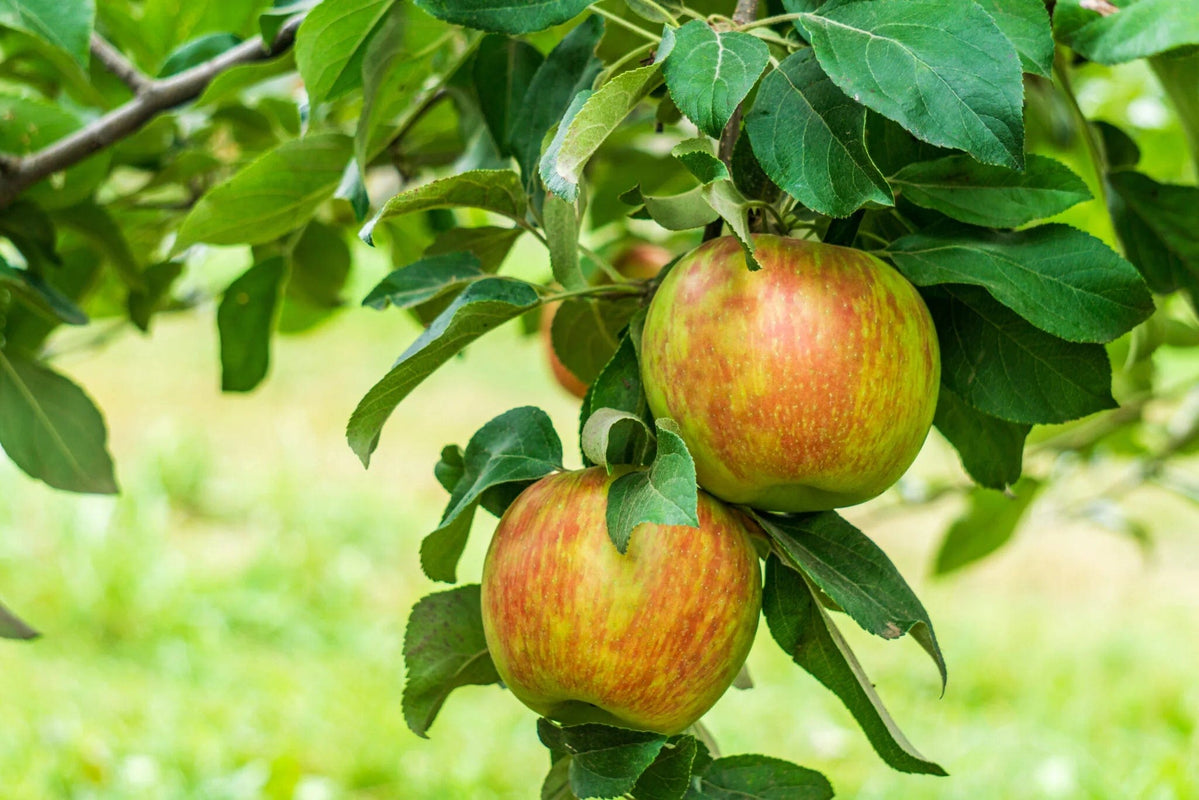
[805, 632]
[517, 447]
[34, 290]
[320, 264]
[196, 52]
[608, 431]
[483, 306]
[1026, 25]
[94, 222]
[680, 212]
[709, 73]
[665, 493]
[424, 280]
[731, 206]
[503, 69]
[497, 190]
[988, 523]
[1060, 279]
[991, 449]
[810, 139]
[892, 147]
[158, 279]
[271, 20]
[65, 24]
[604, 761]
[51, 429]
[245, 319]
[569, 69]
[585, 334]
[663, 12]
[1156, 224]
[1003, 366]
[274, 195]
[13, 628]
[590, 124]
[940, 68]
[444, 648]
[962, 188]
[489, 244]
[1119, 148]
[618, 389]
[1138, 28]
[504, 16]
[562, 235]
[331, 44]
[31, 124]
[556, 785]
[669, 777]
[699, 157]
[754, 777]
[854, 571]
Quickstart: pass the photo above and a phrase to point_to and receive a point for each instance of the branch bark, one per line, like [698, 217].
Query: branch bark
[155, 97]
[116, 63]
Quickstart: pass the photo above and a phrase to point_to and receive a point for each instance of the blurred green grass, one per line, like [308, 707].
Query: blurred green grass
[231, 625]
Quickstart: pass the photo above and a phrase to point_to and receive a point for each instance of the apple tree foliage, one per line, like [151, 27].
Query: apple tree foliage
[135, 134]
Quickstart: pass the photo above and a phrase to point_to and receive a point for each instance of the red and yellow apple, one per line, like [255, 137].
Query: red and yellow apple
[581, 633]
[807, 385]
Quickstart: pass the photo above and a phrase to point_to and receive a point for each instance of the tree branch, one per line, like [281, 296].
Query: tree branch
[157, 96]
[116, 63]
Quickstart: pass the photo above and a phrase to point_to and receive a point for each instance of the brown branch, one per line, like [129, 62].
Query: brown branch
[157, 96]
[116, 63]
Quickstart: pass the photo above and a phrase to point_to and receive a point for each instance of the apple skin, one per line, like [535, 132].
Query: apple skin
[808, 385]
[648, 640]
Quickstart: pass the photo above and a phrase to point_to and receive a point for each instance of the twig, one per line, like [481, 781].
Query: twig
[156, 97]
[116, 63]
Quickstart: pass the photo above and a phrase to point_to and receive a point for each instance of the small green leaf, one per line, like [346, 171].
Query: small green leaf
[497, 190]
[585, 334]
[1003, 366]
[805, 632]
[274, 195]
[618, 388]
[331, 43]
[665, 493]
[517, 447]
[669, 777]
[991, 449]
[272, 19]
[731, 206]
[709, 73]
[51, 429]
[1026, 25]
[483, 306]
[245, 320]
[424, 280]
[504, 16]
[940, 68]
[65, 24]
[604, 761]
[855, 572]
[13, 628]
[680, 212]
[754, 777]
[1120, 149]
[444, 648]
[699, 157]
[608, 426]
[197, 51]
[1156, 224]
[1060, 279]
[1135, 29]
[988, 523]
[810, 139]
[503, 69]
[962, 188]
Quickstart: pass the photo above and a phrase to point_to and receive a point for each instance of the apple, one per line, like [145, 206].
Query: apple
[640, 261]
[807, 385]
[646, 640]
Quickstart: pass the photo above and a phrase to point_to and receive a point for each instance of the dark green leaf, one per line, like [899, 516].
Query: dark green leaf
[488, 244]
[492, 190]
[274, 195]
[320, 265]
[424, 280]
[892, 147]
[34, 290]
[1119, 148]
[991, 449]
[51, 429]
[1003, 366]
[158, 280]
[556, 785]
[699, 157]
[331, 44]
[245, 320]
[13, 628]
[1062, 280]
[665, 493]
[854, 571]
[988, 523]
[196, 52]
[754, 777]
[962, 188]
[804, 630]
[504, 16]
[503, 69]
[810, 139]
[604, 761]
[669, 777]
[444, 648]
[710, 73]
[618, 387]
[484, 305]
[1157, 225]
[65, 24]
[562, 234]
[940, 68]
[1135, 29]
[1026, 25]
[94, 222]
[586, 332]
[518, 446]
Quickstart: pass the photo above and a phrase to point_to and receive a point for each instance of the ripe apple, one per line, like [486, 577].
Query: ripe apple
[646, 640]
[640, 261]
[807, 385]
